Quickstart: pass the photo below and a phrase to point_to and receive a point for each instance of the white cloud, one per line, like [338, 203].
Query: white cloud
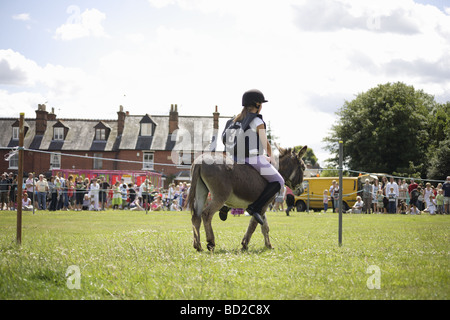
[22, 17]
[86, 24]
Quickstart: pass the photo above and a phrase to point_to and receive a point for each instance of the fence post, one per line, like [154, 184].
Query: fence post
[341, 190]
[20, 181]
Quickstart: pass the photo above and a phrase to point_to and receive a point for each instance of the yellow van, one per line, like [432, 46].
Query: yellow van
[314, 187]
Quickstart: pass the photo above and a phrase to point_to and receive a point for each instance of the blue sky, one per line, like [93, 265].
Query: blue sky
[85, 58]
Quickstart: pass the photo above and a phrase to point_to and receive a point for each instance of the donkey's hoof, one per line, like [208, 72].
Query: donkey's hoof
[210, 246]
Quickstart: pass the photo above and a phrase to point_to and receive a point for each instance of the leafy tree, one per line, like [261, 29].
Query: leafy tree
[386, 129]
[439, 148]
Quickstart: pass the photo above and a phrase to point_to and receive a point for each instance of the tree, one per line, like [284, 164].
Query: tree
[385, 129]
[439, 149]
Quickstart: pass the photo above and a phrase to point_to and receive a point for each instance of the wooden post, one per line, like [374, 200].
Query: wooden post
[341, 190]
[20, 180]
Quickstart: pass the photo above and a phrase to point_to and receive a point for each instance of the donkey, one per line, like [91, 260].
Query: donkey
[235, 186]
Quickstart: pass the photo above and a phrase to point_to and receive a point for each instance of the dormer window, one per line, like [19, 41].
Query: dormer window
[100, 134]
[146, 129]
[60, 131]
[102, 131]
[15, 133]
[15, 130]
[147, 126]
[58, 134]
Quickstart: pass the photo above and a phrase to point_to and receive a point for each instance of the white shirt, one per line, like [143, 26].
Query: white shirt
[392, 185]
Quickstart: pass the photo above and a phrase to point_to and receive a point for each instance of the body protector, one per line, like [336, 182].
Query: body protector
[240, 141]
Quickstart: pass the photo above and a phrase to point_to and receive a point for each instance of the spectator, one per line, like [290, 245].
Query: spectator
[70, 192]
[93, 194]
[103, 193]
[440, 202]
[336, 196]
[446, 190]
[392, 196]
[358, 206]
[42, 189]
[420, 199]
[12, 180]
[375, 188]
[380, 201]
[63, 202]
[326, 198]
[26, 202]
[174, 206]
[117, 197]
[427, 192]
[394, 185]
[279, 199]
[157, 204]
[431, 204]
[4, 191]
[131, 194]
[367, 196]
[124, 194]
[30, 186]
[86, 202]
[135, 205]
[53, 194]
[80, 187]
[332, 187]
[290, 199]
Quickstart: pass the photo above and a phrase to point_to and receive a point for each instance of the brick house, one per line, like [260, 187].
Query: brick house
[144, 142]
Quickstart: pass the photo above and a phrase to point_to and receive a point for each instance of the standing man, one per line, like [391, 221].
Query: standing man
[446, 189]
[42, 189]
[394, 185]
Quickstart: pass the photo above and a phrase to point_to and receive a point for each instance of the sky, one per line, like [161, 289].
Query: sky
[85, 58]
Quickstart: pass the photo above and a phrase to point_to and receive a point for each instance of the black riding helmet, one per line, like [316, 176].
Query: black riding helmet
[251, 97]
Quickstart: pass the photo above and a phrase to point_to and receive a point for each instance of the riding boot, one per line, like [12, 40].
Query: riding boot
[223, 213]
[256, 207]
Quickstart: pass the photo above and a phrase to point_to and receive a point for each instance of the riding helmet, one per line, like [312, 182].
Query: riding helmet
[251, 97]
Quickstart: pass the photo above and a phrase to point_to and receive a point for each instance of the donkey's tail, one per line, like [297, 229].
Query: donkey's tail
[195, 180]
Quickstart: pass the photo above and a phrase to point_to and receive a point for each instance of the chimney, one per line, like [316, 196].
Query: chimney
[51, 116]
[120, 121]
[216, 119]
[173, 118]
[41, 119]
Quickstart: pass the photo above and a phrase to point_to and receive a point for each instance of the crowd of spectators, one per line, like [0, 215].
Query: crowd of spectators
[58, 193]
[390, 196]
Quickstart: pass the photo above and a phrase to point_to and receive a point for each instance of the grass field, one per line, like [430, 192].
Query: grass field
[131, 255]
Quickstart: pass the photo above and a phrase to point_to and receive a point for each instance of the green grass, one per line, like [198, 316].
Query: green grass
[131, 255]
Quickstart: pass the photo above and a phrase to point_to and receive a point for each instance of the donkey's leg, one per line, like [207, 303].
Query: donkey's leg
[207, 216]
[265, 232]
[248, 234]
[196, 222]
[201, 194]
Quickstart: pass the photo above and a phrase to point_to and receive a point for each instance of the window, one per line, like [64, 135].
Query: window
[14, 161]
[148, 162]
[15, 135]
[98, 163]
[100, 134]
[146, 129]
[55, 161]
[58, 134]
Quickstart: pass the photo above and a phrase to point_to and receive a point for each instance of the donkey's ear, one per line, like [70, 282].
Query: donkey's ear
[302, 152]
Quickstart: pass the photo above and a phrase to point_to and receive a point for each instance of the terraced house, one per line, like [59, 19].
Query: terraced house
[163, 144]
